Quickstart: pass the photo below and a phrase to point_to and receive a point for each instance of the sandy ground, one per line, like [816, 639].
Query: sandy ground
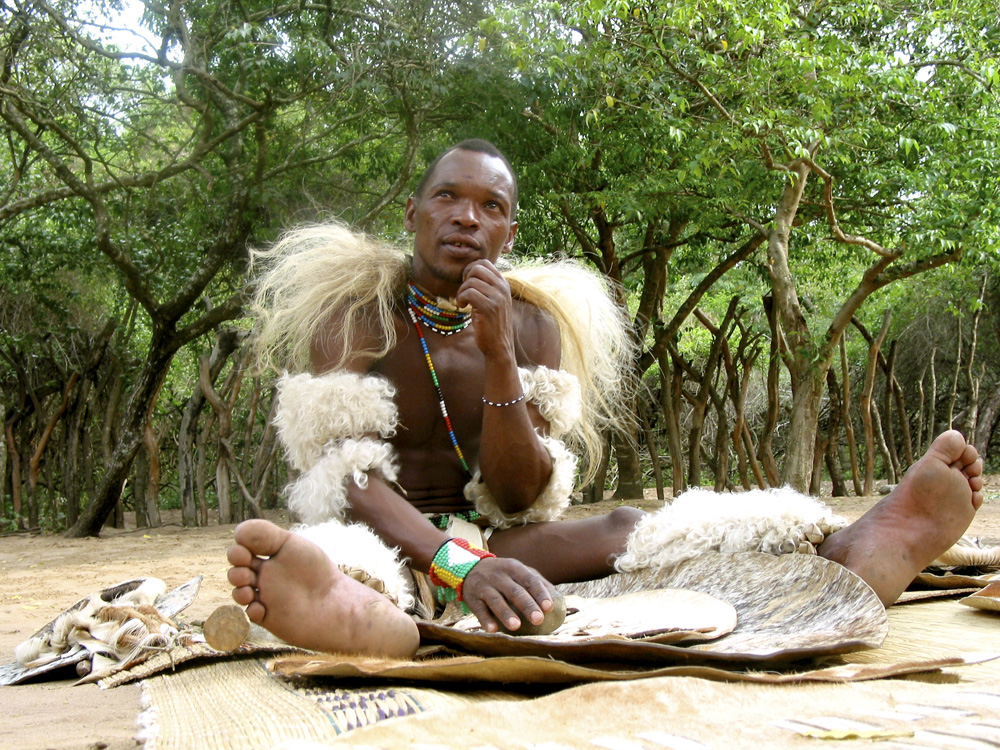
[42, 575]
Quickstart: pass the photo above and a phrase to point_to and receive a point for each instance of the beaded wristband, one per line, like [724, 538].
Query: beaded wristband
[505, 403]
[453, 561]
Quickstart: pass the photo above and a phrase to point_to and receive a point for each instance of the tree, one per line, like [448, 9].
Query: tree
[201, 135]
[829, 132]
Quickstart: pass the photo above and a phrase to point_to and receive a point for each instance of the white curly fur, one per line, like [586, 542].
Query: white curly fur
[777, 521]
[557, 395]
[315, 411]
[320, 493]
[547, 507]
[357, 546]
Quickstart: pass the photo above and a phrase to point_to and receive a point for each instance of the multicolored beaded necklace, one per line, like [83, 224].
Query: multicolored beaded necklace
[417, 317]
[433, 315]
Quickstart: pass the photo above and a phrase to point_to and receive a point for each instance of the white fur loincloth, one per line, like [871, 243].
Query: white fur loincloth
[777, 521]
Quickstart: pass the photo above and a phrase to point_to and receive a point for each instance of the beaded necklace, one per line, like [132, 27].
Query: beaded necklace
[414, 316]
[433, 315]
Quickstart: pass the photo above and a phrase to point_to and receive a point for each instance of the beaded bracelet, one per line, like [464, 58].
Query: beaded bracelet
[505, 403]
[453, 561]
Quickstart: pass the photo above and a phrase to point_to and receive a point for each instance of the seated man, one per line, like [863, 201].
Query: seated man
[437, 403]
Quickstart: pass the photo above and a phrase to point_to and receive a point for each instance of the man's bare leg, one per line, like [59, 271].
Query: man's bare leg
[921, 518]
[291, 587]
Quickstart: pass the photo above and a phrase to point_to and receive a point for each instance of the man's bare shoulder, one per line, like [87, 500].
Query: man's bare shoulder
[537, 340]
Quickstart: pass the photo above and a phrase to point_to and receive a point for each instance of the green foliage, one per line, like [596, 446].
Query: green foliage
[134, 175]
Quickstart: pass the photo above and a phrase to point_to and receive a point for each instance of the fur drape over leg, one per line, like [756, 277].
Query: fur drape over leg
[359, 553]
[776, 521]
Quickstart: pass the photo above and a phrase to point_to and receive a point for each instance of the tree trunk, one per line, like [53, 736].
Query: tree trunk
[670, 403]
[200, 468]
[765, 450]
[738, 372]
[152, 495]
[594, 492]
[957, 374]
[866, 402]
[888, 434]
[932, 405]
[226, 342]
[704, 395]
[721, 447]
[972, 409]
[651, 446]
[807, 373]
[15, 469]
[34, 464]
[852, 446]
[807, 394]
[140, 478]
[880, 443]
[831, 456]
[130, 434]
[630, 485]
[819, 453]
[75, 428]
[263, 462]
[987, 422]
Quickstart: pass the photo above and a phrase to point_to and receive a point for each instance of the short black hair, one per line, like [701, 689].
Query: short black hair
[472, 144]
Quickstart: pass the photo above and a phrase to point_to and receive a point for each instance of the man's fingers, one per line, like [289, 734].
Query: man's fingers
[481, 268]
[543, 593]
[483, 614]
[492, 609]
[501, 590]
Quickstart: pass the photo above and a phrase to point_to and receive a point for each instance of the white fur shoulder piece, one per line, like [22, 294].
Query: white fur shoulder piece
[550, 503]
[777, 521]
[314, 411]
[557, 395]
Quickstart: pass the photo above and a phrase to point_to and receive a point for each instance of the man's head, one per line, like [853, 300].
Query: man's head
[480, 146]
[463, 212]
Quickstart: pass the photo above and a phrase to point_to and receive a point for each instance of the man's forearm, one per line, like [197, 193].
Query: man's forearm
[395, 521]
[514, 463]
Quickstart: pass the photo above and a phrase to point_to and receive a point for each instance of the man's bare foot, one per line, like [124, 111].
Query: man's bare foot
[291, 587]
[921, 518]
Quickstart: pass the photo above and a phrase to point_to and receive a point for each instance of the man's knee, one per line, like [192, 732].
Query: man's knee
[623, 519]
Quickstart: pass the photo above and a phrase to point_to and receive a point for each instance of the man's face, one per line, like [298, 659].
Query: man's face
[464, 214]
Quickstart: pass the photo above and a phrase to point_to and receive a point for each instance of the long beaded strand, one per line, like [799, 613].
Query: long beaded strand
[432, 315]
[437, 387]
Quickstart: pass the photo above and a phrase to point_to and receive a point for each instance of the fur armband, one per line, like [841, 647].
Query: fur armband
[777, 521]
[315, 411]
[556, 393]
[332, 428]
[547, 507]
[320, 493]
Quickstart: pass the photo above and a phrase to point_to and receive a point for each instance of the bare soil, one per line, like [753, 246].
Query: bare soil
[42, 575]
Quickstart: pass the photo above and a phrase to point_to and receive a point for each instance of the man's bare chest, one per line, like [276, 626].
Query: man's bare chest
[454, 375]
